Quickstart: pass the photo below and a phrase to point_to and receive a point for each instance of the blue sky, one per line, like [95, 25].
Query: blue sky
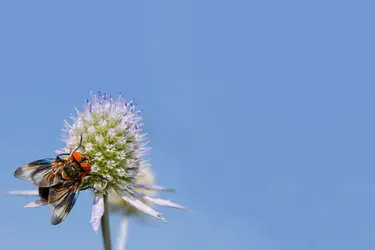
[260, 113]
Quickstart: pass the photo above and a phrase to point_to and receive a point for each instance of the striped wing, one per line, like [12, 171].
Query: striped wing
[63, 197]
[39, 172]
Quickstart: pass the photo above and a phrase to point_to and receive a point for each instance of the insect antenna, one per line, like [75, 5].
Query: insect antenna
[80, 144]
[59, 156]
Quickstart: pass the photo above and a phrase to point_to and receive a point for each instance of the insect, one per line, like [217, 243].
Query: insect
[59, 180]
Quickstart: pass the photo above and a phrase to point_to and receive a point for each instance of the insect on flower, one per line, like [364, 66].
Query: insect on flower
[59, 181]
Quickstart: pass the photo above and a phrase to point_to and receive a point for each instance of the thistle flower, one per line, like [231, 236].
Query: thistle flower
[112, 137]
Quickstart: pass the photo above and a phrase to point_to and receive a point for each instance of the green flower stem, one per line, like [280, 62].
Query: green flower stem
[105, 225]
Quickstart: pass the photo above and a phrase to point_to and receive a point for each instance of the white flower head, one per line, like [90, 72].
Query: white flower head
[111, 136]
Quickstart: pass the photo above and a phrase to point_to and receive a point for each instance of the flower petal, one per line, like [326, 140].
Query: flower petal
[37, 203]
[156, 188]
[162, 202]
[25, 193]
[140, 205]
[97, 211]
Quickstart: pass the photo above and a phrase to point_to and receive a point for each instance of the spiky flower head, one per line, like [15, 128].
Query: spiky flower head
[111, 133]
[113, 139]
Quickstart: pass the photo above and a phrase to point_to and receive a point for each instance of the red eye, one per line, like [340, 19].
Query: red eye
[86, 167]
[77, 156]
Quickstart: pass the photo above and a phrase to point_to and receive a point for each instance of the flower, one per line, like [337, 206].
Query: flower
[112, 137]
[145, 187]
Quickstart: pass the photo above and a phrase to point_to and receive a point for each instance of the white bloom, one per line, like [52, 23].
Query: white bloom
[89, 146]
[91, 129]
[146, 189]
[99, 139]
[111, 137]
[111, 132]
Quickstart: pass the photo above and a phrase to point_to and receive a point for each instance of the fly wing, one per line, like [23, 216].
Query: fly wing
[41, 172]
[63, 197]
[38, 172]
[24, 172]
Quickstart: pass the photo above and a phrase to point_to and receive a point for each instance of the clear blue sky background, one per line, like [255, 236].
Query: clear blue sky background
[260, 113]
